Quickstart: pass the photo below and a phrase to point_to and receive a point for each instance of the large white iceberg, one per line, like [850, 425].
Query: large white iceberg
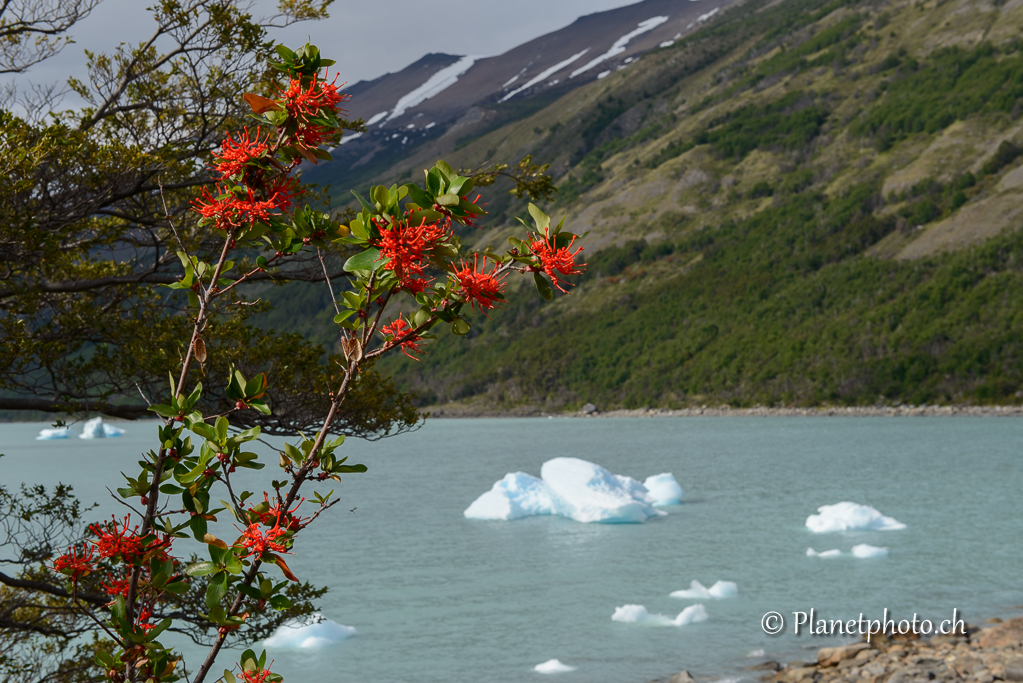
[638, 614]
[569, 487]
[846, 516]
[664, 488]
[697, 591]
[864, 550]
[97, 429]
[552, 666]
[50, 434]
[308, 632]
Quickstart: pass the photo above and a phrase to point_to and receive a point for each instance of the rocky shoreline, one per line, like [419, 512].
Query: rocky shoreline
[454, 410]
[983, 655]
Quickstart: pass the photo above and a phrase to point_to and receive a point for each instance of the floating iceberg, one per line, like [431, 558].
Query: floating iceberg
[664, 489]
[864, 550]
[638, 614]
[846, 516]
[312, 631]
[553, 666]
[696, 591]
[756, 653]
[571, 488]
[50, 434]
[97, 429]
[810, 552]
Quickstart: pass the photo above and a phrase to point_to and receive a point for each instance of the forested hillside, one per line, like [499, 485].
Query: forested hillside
[804, 202]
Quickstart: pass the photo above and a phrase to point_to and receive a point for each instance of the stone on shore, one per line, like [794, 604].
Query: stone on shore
[682, 677]
[1007, 634]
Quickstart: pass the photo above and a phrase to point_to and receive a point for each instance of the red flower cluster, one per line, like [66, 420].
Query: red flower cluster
[75, 564]
[278, 517]
[257, 542]
[555, 260]
[303, 104]
[480, 287]
[118, 543]
[234, 156]
[396, 330]
[255, 676]
[405, 245]
[228, 212]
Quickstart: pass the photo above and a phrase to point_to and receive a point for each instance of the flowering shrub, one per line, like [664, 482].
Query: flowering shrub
[407, 255]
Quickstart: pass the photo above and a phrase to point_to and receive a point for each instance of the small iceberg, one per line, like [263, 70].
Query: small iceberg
[846, 516]
[571, 488]
[697, 591]
[309, 632]
[553, 666]
[97, 429]
[756, 653]
[664, 489]
[810, 552]
[638, 614]
[864, 550]
[51, 434]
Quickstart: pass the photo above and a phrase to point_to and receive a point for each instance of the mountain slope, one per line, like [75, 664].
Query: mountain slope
[802, 202]
[438, 93]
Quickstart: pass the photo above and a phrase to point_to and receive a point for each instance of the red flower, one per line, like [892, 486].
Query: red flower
[404, 245]
[221, 209]
[554, 259]
[258, 542]
[303, 104]
[276, 516]
[255, 676]
[75, 564]
[118, 543]
[235, 155]
[117, 587]
[479, 286]
[396, 330]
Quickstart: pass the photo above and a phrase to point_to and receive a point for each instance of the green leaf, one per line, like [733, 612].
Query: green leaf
[520, 245]
[434, 182]
[280, 602]
[366, 260]
[460, 327]
[542, 220]
[448, 200]
[461, 185]
[198, 526]
[350, 469]
[200, 568]
[176, 587]
[445, 168]
[343, 316]
[216, 591]
[163, 410]
[543, 287]
[229, 677]
[222, 428]
[419, 196]
[160, 628]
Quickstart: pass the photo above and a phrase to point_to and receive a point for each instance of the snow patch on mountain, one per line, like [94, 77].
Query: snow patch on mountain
[434, 85]
[544, 74]
[619, 45]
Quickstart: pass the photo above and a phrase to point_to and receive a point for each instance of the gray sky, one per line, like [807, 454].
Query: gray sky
[367, 39]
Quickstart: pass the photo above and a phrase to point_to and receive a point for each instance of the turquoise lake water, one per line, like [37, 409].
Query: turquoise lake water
[439, 598]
